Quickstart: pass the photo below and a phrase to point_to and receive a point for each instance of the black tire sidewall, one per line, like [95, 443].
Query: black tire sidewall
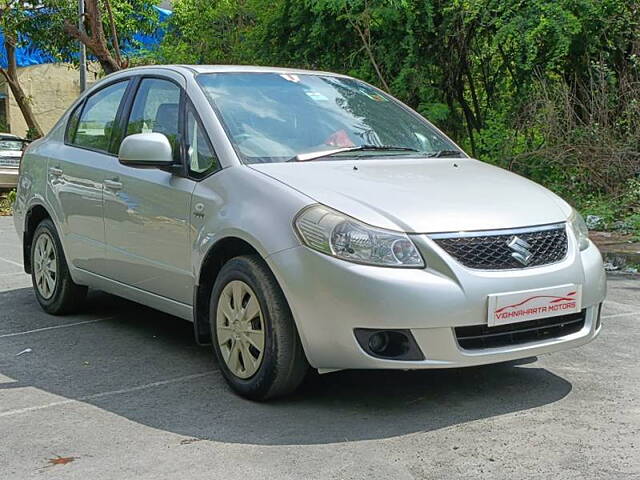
[244, 269]
[67, 296]
[46, 226]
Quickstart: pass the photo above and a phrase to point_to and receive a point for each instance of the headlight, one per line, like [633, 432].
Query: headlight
[338, 235]
[579, 229]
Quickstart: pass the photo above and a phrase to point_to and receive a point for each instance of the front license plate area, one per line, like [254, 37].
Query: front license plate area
[525, 305]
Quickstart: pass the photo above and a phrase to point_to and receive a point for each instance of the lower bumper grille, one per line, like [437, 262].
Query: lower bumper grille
[477, 337]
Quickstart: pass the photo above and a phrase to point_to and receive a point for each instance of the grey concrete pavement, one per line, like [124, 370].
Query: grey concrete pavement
[121, 391]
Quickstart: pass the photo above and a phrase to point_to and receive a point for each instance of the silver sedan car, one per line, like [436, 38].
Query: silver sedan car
[300, 219]
[11, 147]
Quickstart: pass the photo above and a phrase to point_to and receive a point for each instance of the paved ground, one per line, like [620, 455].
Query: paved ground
[122, 392]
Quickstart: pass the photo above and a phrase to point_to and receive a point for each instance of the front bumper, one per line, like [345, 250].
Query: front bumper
[8, 177]
[329, 298]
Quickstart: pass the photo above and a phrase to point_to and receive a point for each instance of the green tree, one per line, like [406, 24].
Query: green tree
[14, 20]
[51, 25]
[548, 88]
[202, 31]
[108, 27]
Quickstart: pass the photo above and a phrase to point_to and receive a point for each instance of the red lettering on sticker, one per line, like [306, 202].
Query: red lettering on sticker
[554, 299]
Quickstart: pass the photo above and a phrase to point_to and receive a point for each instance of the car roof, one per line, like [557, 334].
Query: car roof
[198, 69]
[256, 69]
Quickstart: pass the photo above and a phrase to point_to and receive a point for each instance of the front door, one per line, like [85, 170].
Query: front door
[147, 210]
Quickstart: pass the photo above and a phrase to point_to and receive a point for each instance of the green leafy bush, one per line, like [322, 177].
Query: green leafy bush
[548, 89]
[6, 202]
[617, 212]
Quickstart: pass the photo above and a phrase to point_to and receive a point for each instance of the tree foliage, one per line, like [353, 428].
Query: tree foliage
[109, 27]
[14, 20]
[548, 88]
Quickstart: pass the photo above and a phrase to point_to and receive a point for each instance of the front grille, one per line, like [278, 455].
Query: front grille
[477, 337]
[491, 251]
[9, 161]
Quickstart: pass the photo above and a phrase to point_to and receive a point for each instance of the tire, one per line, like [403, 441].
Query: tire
[280, 366]
[59, 295]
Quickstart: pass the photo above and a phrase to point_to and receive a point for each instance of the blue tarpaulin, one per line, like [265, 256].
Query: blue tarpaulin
[27, 55]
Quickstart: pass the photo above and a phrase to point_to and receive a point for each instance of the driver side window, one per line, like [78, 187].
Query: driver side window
[156, 109]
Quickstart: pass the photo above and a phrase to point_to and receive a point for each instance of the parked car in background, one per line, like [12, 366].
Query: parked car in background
[300, 219]
[11, 147]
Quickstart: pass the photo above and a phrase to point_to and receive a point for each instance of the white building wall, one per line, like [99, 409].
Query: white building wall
[52, 87]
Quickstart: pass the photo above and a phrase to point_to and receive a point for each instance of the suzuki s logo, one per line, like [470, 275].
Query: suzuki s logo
[521, 250]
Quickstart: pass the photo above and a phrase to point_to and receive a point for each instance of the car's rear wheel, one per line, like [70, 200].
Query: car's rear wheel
[55, 290]
[254, 335]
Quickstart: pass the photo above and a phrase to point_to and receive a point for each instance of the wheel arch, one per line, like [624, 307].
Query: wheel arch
[33, 217]
[217, 255]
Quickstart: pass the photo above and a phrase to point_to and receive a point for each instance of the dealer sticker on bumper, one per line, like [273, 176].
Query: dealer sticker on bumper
[513, 307]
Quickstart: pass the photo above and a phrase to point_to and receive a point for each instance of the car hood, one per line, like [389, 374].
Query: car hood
[423, 195]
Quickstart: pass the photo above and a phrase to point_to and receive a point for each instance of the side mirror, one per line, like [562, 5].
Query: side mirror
[146, 150]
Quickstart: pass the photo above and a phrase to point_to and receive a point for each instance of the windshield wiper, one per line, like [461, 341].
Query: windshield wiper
[304, 157]
[445, 153]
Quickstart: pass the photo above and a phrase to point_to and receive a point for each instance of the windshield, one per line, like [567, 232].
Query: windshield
[274, 117]
[10, 145]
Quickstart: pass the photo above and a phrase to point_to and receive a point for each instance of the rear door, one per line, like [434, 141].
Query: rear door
[77, 169]
[147, 210]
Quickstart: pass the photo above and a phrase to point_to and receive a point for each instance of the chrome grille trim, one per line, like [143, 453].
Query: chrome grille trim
[489, 233]
[490, 249]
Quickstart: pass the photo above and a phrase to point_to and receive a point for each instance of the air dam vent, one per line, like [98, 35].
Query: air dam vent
[477, 337]
[389, 344]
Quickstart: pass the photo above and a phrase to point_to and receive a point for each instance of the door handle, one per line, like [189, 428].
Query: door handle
[55, 171]
[113, 185]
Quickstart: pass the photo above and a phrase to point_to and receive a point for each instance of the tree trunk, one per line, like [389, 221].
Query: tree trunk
[114, 33]
[365, 36]
[11, 76]
[474, 96]
[366, 43]
[96, 41]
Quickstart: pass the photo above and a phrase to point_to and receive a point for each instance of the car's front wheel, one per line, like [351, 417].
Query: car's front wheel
[55, 290]
[254, 335]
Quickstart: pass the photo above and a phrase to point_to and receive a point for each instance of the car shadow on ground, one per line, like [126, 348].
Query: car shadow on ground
[140, 346]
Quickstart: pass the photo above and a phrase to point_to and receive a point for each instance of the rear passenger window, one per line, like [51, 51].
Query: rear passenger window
[156, 109]
[96, 125]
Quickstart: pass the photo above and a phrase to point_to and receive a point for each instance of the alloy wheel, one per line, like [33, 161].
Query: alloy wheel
[240, 329]
[45, 265]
